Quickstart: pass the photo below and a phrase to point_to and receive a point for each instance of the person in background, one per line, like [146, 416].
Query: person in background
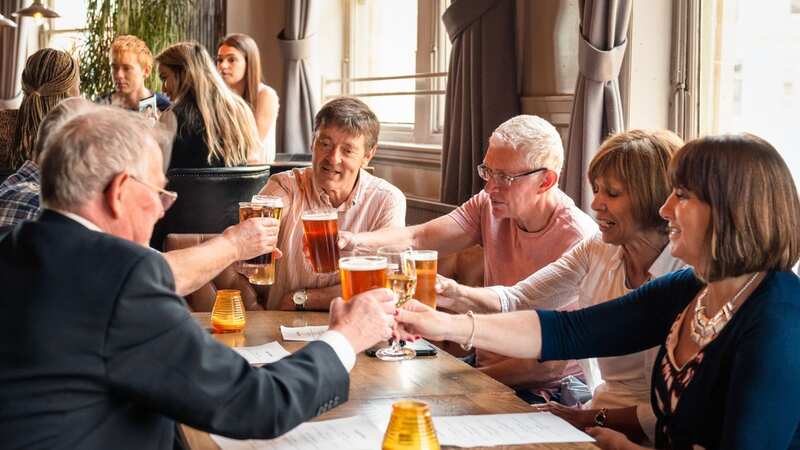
[192, 267]
[726, 373]
[131, 64]
[345, 140]
[49, 77]
[105, 355]
[215, 127]
[630, 182]
[239, 64]
[522, 220]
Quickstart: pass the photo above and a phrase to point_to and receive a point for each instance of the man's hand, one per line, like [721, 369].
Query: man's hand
[253, 237]
[416, 319]
[447, 294]
[347, 240]
[366, 319]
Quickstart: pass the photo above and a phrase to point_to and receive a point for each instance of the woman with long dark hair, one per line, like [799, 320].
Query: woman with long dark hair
[239, 64]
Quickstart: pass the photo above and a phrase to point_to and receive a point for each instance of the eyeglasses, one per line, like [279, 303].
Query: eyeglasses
[167, 197]
[487, 174]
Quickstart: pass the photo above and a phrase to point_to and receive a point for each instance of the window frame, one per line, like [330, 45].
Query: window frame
[431, 64]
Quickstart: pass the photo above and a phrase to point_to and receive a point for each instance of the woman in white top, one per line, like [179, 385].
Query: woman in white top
[629, 180]
[239, 64]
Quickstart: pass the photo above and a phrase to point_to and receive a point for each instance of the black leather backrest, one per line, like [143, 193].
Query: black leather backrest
[208, 199]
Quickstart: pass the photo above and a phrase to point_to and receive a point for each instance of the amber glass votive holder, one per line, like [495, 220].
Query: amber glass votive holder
[410, 427]
[227, 316]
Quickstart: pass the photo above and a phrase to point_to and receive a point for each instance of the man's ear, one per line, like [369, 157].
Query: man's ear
[549, 180]
[115, 193]
[146, 71]
[368, 155]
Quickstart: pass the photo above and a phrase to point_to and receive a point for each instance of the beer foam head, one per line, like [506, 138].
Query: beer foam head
[424, 255]
[320, 215]
[362, 263]
[270, 201]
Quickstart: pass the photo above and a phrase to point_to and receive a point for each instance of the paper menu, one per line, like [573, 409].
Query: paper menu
[306, 334]
[352, 433]
[262, 354]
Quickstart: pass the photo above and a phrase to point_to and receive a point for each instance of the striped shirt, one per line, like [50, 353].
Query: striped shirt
[19, 195]
[374, 204]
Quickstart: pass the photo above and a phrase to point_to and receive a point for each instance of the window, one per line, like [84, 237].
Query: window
[68, 31]
[394, 57]
[746, 71]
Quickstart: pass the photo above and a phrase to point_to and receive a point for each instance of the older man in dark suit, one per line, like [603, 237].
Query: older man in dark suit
[97, 351]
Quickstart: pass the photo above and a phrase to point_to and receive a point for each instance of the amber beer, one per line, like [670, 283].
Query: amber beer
[361, 273]
[425, 263]
[261, 269]
[322, 235]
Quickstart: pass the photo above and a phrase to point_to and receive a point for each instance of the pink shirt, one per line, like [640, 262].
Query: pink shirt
[511, 254]
[374, 204]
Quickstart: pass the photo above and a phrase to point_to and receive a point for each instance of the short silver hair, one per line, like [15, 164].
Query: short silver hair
[535, 138]
[85, 152]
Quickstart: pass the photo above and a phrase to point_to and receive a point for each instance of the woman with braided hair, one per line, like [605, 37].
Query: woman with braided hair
[49, 76]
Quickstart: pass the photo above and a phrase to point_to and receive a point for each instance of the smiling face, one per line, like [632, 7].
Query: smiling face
[231, 64]
[613, 207]
[337, 158]
[169, 81]
[127, 72]
[689, 227]
[513, 201]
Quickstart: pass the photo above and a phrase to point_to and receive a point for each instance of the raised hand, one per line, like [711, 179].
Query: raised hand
[254, 237]
[368, 318]
[417, 319]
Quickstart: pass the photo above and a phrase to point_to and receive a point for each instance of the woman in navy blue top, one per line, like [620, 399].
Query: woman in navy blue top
[727, 371]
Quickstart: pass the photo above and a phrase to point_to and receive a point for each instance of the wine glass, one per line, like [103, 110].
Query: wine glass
[401, 278]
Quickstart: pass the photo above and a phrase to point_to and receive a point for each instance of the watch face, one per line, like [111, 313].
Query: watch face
[299, 297]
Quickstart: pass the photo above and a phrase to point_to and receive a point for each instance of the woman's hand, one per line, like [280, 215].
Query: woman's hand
[447, 293]
[608, 439]
[579, 418]
[415, 319]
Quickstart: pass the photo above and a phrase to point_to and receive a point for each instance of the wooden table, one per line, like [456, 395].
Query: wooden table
[448, 385]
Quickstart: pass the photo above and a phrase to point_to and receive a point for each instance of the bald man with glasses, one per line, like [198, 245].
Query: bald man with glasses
[522, 220]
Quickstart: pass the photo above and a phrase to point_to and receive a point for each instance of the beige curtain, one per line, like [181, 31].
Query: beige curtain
[300, 99]
[597, 108]
[481, 89]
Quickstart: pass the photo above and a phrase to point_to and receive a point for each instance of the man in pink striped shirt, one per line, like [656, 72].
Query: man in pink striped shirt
[345, 140]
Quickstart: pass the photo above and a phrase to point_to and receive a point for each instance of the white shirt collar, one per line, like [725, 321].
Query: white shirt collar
[80, 219]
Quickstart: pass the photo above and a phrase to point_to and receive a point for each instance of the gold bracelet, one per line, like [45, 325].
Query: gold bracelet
[468, 345]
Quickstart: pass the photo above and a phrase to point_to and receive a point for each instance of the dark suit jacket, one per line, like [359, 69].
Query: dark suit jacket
[97, 351]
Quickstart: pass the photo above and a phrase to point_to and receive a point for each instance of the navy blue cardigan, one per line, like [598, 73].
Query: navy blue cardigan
[746, 392]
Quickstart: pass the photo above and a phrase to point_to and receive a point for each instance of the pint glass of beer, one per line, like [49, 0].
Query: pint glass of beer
[425, 262]
[322, 235]
[361, 273]
[261, 269]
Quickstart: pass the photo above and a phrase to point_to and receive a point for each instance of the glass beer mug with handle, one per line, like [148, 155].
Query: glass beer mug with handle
[401, 278]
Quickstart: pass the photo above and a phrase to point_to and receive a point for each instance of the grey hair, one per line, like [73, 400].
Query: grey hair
[67, 108]
[535, 138]
[85, 152]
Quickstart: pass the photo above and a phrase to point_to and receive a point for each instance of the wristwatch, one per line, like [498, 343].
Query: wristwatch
[601, 417]
[300, 298]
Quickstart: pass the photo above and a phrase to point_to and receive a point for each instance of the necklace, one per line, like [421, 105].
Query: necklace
[703, 329]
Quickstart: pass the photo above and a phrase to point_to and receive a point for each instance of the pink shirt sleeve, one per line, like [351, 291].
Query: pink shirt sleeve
[468, 215]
